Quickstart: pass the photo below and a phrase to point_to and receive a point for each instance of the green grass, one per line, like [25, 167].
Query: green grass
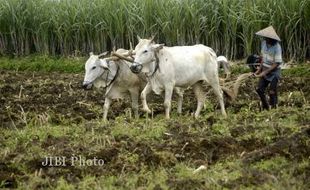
[276, 172]
[47, 63]
[302, 70]
[43, 63]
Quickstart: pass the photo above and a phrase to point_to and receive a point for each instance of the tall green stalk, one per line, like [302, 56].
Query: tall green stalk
[76, 27]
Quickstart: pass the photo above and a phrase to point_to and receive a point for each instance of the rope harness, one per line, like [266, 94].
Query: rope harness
[115, 76]
[156, 65]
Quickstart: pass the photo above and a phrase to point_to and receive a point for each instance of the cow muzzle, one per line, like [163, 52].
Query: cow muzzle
[87, 85]
[136, 68]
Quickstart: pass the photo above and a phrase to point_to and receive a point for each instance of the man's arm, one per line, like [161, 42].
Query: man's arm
[267, 71]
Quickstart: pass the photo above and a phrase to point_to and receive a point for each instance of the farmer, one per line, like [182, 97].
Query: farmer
[269, 70]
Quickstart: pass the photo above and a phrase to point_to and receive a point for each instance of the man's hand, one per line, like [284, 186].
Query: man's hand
[270, 69]
[257, 73]
[262, 74]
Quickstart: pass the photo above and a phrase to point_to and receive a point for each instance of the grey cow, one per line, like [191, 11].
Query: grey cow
[116, 77]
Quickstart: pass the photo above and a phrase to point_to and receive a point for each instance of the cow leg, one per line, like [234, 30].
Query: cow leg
[200, 95]
[180, 93]
[147, 89]
[107, 103]
[167, 102]
[214, 82]
[135, 102]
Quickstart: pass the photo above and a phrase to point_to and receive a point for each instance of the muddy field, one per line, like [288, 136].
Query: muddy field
[136, 151]
[29, 96]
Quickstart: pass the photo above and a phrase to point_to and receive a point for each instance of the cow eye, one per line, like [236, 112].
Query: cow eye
[145, 51]
[94, 67]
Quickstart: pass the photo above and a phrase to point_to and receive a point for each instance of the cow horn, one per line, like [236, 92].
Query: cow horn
[130, 52]
[130, 45]
[139, 38]
[103, 54]
[122, 57]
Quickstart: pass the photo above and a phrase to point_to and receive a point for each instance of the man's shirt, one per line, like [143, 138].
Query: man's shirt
[270, 55]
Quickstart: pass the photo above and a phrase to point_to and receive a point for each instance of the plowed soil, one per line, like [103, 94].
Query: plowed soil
[39, 98]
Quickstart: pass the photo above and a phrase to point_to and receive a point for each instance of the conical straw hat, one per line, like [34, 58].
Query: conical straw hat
[268, 32]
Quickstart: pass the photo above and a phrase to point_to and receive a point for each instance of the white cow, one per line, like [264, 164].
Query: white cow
[179, 66]
[116, 77]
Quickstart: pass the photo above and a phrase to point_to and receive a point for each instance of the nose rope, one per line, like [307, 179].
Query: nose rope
[157, 68]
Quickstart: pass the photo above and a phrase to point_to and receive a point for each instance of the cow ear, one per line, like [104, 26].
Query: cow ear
[103, 63]
[157, 47]
[113, 70]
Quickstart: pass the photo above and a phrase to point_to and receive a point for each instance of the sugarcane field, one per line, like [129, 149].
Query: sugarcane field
[154, 94]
